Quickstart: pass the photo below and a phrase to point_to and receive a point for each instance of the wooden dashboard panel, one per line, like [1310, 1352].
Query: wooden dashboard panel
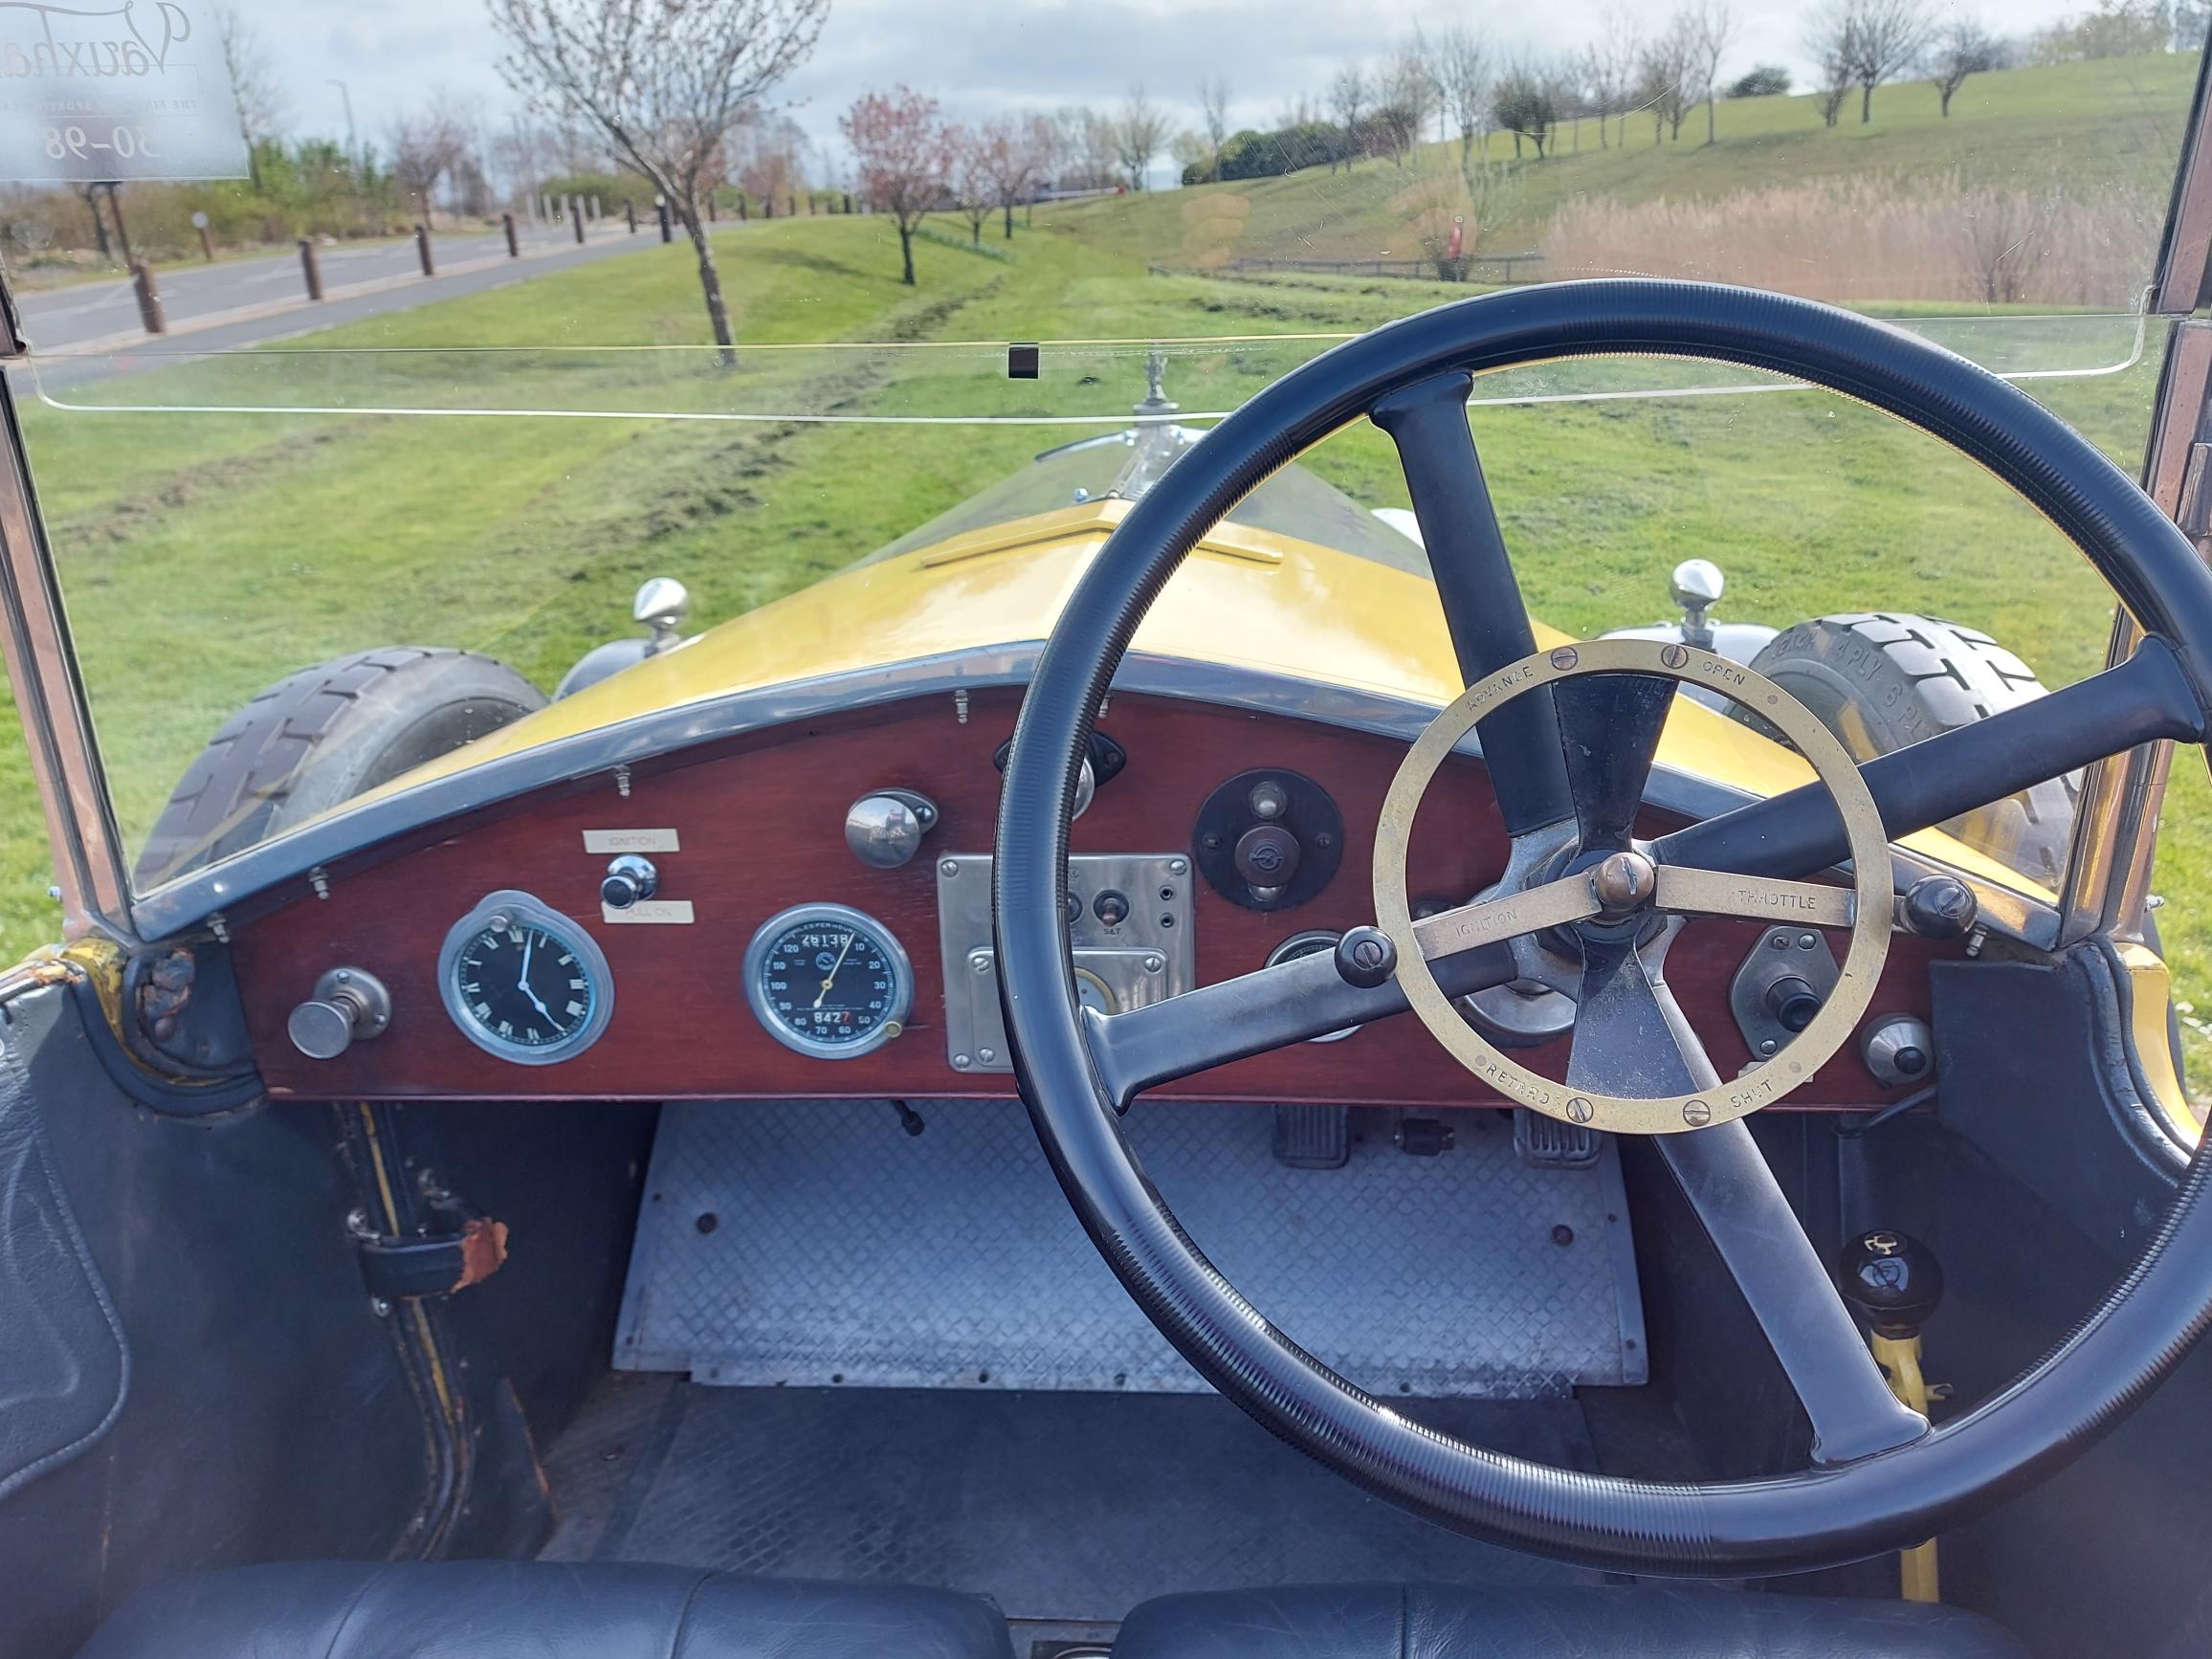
[761, 822]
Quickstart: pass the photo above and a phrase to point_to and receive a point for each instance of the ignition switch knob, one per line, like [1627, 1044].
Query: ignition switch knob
[629, 879]
[1793, 1003]
[347, 1004]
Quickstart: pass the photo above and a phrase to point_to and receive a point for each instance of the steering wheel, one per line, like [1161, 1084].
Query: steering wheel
[1568, 738]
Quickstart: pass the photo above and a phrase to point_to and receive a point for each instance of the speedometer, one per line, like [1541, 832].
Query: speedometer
[828, 980]
[523, 981]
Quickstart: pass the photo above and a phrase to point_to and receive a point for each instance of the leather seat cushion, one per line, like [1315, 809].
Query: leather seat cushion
[1457, 1622]
[538, 1610]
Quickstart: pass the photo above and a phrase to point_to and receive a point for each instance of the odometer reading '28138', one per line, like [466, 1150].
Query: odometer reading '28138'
[828, 980]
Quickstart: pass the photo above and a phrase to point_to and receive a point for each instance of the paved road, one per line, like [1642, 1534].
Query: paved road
[243, 302]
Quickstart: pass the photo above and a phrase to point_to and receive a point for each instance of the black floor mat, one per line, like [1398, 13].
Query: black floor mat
[1065, 1507]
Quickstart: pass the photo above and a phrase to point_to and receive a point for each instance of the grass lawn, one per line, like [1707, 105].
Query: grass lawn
[244, 546]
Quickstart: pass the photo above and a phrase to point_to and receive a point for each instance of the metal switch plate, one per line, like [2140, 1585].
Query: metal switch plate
[1146, 955]
[1782, 953]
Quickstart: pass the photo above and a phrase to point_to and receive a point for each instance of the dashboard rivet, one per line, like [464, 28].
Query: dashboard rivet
[950, 867]
[1808, 940]
[1177, 866]
[980, 962]
[960, 1062]
[1153, 964]
[986, 1056]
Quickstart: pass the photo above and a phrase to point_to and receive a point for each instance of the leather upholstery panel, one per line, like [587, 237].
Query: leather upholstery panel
[543, 1610]
[64, 1367]
[1457, 1622]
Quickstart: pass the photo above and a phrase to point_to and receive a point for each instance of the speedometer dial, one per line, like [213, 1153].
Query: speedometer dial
[524, 981]
[828, 980]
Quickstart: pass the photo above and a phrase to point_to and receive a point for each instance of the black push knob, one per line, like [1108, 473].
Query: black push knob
[1893, 1279]
[1793, 1003]
[1267, 856]
[1365, 957]
[1937, 907]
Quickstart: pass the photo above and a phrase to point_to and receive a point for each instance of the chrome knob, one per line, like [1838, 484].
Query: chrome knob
[348, 1004]
[629, 879]
[885, 830]
[660, 607]
[1899, 1050]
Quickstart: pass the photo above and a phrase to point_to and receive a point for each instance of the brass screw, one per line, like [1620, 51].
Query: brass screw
[1673, 656]
[1696, 1114]
[1566, 657]
[1581, 1110]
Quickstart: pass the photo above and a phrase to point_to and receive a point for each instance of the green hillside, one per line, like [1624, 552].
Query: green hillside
[2115, 121]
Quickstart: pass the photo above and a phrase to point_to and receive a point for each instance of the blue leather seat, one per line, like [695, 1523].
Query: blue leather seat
[1460, 1622]
[538, 1610]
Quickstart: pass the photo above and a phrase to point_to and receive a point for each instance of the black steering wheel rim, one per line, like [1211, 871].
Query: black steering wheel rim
[2076, 1392]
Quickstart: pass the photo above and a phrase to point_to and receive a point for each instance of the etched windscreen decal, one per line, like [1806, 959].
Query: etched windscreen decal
[136, 91]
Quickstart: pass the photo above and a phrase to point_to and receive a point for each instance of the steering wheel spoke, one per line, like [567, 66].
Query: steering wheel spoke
[1630, 1037]
[1686, 891]
[1476, 587]
[1745, 1214]
[1609, 726]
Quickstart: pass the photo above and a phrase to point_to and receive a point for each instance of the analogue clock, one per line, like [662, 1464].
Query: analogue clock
[523, 981]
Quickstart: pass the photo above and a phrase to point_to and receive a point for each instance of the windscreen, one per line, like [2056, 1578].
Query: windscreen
[438, 369]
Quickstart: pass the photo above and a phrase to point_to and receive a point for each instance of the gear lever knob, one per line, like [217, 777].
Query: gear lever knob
[1893, 1278]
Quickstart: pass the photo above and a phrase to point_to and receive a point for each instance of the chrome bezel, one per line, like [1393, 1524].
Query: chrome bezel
[523, 908]
[1312, 942]
[901, 1003]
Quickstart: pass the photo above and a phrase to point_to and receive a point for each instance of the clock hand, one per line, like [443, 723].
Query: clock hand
[834, 966]
[529, 943]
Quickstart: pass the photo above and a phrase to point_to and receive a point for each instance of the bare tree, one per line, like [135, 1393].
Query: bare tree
[425, 146]
[1463, 78]
[901, 145]
[1664, 69]
[1885, 37]
[1138, 135]
[1407, 94]
[1013, 163]
[1833, 42]
[257, 89]
[973, 179]
[1347, 102]
[1709, 29]
[1621, 46]
[1086, 148]
[664, 83]
[1214, 101]
[1961, 47]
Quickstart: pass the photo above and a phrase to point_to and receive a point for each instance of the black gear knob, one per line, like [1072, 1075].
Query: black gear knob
[1893, 1278]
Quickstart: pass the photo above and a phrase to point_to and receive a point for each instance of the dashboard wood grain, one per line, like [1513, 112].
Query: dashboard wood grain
[761, 824]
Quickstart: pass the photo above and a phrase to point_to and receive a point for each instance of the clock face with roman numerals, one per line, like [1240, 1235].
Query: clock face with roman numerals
[523, 981]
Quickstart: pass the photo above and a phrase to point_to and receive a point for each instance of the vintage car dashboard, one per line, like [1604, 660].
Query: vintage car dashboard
[702, 926]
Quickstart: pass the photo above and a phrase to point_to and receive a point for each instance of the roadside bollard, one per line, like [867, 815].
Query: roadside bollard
[312, 266]
[576, 215]
[207, 242]
[513, 247]
[149, 298]
[667, 229]
[629, 214]
[423, 250]
[743, 213]
[848, 202]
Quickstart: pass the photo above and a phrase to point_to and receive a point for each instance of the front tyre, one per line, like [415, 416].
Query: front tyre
[324, 736]
[1885, 679]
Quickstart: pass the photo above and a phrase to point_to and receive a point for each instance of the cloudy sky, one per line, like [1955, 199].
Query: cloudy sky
[983, 58]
